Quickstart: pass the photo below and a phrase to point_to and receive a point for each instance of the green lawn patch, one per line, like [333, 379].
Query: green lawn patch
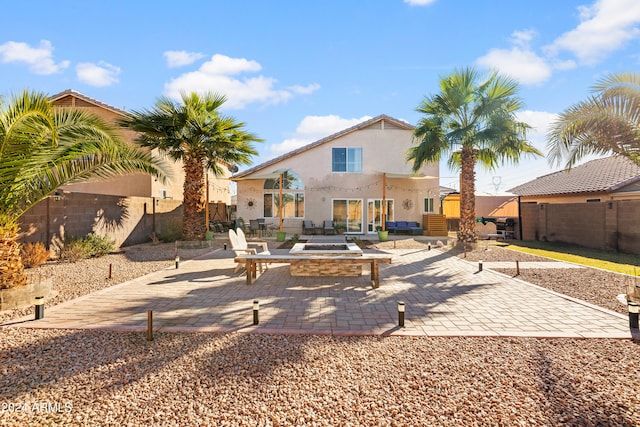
[607, 260]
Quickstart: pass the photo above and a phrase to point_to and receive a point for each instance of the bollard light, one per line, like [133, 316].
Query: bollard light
[480, 265]
[225, 246]
[149, 325]
[401, 314]
[177, 261]
[256, 309]
[429, 246]
[39, 306]
[633, 314]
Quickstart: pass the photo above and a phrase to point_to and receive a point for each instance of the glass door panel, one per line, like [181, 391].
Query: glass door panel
[347, 215]
[354, 219]
[374, 214]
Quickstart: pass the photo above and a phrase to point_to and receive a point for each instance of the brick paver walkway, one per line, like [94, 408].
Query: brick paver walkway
[443, 296]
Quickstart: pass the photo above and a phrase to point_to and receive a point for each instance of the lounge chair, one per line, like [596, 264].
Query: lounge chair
[308, 227]
[240, 246]
[328, 227]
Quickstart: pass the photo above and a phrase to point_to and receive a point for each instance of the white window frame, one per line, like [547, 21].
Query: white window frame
[347, 160]
[432, 203]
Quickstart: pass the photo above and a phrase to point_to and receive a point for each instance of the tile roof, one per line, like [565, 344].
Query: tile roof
[367, 123]
[601, 175]
[71, 92]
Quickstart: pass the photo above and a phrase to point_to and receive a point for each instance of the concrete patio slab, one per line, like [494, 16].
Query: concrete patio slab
[443, 296]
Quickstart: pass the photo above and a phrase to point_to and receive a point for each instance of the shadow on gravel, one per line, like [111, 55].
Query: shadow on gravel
[106, 361]
[569, 405]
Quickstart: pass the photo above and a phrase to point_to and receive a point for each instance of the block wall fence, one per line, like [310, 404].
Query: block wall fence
[127, 220]
[610, 225]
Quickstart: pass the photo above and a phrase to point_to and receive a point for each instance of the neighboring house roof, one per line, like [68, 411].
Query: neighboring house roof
[602, 175]
[78, 95]
[395, 123]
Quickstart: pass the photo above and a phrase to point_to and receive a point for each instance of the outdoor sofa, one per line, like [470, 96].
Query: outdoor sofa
[404, 227]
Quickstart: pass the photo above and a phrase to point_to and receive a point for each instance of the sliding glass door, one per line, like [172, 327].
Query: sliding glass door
[347, 215]
[374, 213]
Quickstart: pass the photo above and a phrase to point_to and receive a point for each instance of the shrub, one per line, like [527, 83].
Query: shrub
[34, 254]
[100, 245]
[92, 245]
[170, 231]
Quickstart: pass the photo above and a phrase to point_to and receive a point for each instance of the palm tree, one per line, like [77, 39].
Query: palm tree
[195, 132]
[43, 148]
[607, 122]
[473, 120]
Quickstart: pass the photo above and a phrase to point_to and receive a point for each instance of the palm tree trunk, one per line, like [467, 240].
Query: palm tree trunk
[467, 233]
[12, 272]
[193, 221]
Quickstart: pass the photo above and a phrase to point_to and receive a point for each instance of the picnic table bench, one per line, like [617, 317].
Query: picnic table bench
[251, 260]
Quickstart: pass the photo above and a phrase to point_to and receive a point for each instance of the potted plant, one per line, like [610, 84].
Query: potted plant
[281, 236]
[383, 236]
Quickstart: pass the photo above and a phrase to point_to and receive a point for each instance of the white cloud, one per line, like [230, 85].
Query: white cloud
[101, 74]
[304, 90]
[180, 58]
[39, 59]
[219, 75]
[521, 64]
[419, 2]
[604, 27]
[540, 122]
[313, 128]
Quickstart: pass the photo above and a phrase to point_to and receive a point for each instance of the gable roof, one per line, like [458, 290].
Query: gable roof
[72, 93]
[383, 118]
[601, 175]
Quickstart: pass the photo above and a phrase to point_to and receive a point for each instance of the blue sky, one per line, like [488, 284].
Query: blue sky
[296, 71]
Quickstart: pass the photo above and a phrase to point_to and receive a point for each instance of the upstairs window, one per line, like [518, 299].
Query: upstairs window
[346, 159]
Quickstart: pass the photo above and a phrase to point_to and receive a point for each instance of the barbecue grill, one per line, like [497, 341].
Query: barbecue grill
[505, 226]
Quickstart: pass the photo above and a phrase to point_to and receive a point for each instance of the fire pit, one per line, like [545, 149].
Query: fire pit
[305, 268]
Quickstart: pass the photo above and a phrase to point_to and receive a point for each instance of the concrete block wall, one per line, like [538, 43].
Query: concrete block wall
[127, 220]
[609, 225]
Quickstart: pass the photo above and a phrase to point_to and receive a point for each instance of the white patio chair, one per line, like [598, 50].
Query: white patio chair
[240, 246]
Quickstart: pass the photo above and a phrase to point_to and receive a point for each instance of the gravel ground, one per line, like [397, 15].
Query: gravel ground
[60, 377]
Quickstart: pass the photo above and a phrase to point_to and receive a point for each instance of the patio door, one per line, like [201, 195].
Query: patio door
[374, 213]
[347, 215]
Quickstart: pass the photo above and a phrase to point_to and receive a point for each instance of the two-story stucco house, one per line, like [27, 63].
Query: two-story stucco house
[343, 177]
[138, 185]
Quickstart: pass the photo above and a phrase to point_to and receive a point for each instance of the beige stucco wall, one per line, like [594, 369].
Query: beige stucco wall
[141, 185]
[383, 150]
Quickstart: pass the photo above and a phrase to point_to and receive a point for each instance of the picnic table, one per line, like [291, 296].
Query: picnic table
[251, 260]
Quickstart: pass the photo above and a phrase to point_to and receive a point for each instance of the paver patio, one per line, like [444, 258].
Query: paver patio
[443, 296]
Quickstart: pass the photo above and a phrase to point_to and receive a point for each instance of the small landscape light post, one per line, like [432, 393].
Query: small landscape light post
[633, 314]
[256, 309]
[480, 265]
[177, 261]
[401, 314]
[39, 307]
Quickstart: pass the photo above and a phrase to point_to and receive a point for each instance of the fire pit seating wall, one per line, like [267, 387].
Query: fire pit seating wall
[404, 227]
